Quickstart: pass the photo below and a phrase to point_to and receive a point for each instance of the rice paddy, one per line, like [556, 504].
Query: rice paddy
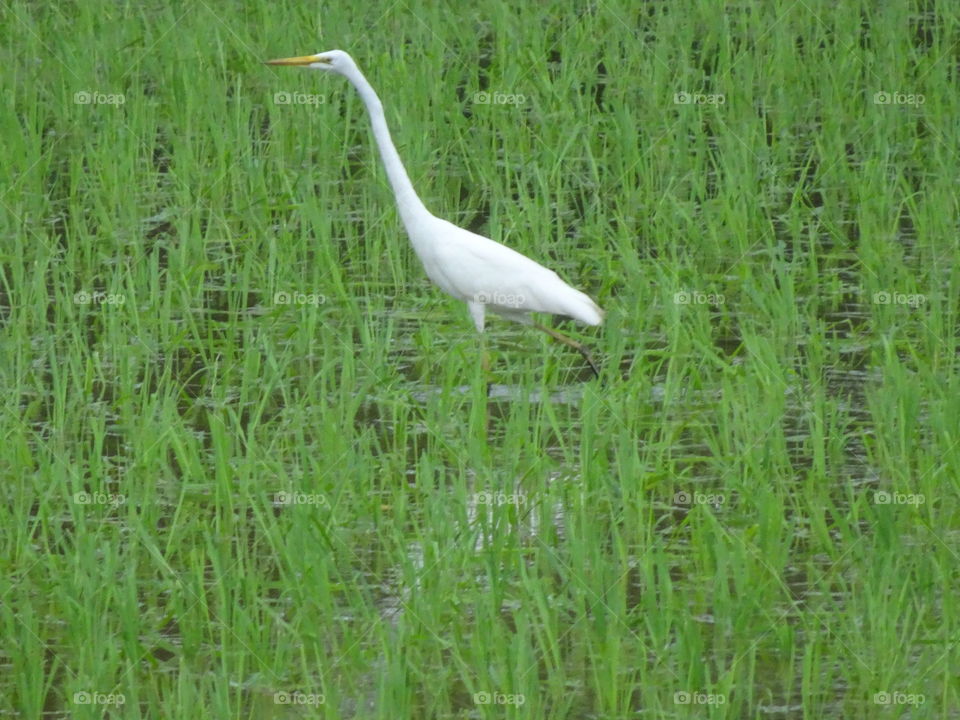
[252, 466]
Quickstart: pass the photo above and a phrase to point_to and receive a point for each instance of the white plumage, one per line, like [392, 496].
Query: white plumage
[483, 273]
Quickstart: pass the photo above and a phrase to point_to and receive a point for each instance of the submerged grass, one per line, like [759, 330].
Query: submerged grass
[251, 468]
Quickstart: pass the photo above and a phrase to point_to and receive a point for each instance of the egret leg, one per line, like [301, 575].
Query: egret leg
[485, 364]
[487, 381]
[570, 342]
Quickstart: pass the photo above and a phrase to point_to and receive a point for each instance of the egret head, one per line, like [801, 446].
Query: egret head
[332, 60]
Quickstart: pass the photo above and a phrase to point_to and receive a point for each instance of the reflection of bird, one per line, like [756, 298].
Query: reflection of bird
[470, 267]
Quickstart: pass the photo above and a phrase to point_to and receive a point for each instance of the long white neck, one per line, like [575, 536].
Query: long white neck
[408, 202]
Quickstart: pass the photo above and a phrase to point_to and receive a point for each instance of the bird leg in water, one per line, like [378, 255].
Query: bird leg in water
[485, 365]
[487, 383]
[570, 342]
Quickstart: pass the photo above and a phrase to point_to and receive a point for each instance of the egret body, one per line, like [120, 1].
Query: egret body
[483, 273]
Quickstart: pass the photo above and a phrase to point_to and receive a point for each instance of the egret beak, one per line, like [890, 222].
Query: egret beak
[302, 60]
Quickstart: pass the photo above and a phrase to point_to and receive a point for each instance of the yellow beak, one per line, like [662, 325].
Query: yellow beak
[302, 60]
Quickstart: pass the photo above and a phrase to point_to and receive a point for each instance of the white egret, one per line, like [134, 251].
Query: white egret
[481, 272]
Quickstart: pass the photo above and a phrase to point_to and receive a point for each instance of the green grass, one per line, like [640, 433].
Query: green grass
[728, 524]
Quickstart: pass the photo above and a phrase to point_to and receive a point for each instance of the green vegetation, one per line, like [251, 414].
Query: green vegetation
[250, 469]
